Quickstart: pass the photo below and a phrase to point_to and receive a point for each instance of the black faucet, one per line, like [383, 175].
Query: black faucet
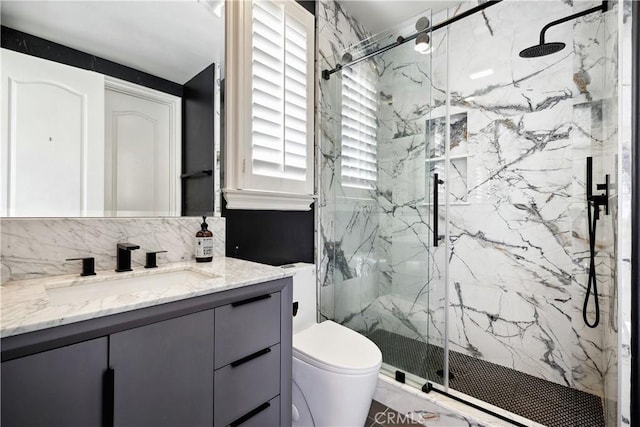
[124, 256]
[151, 259]
[88, 265]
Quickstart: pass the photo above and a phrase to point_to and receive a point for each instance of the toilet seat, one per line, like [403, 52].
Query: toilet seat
[335, 348]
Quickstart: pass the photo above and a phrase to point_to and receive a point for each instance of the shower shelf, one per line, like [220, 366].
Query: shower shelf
[441, 158]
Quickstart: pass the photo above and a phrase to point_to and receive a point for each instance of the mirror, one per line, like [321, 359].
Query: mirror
[111, 108]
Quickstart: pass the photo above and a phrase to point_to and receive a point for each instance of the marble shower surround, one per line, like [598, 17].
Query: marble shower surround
[520, 303]
[346, 227]
[521, 306]
[38, 247]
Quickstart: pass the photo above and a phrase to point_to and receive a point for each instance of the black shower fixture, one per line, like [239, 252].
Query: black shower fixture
[594, 202]
[422, 24]
[544, 48]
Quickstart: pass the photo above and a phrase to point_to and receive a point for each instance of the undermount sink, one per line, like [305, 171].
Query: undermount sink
[115, 285]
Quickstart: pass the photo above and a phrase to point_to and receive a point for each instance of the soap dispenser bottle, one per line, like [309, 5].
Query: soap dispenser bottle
[204, 243]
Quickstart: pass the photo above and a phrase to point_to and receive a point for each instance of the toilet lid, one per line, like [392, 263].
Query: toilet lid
[336, 348]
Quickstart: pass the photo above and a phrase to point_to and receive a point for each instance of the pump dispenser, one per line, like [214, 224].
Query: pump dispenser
[204, 243]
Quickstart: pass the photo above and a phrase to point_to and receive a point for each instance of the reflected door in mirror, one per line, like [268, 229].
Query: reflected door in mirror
[52, 139]
[142, 154]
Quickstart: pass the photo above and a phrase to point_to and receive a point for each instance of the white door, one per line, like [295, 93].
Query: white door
[142, 153]
[52, 146]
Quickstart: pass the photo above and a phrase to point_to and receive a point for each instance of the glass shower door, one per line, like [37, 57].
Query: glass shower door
[381, 237]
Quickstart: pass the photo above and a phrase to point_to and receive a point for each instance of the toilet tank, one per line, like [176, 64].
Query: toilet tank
[304, 293]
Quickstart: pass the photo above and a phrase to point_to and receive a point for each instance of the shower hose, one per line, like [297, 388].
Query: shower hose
[591, 283]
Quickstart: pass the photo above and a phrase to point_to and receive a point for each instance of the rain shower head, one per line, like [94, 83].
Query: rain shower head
[542, 50]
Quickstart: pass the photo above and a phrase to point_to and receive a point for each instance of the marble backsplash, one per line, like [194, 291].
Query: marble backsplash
[38, 247]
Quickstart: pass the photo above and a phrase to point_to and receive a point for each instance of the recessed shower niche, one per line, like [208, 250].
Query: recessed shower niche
[457, 154]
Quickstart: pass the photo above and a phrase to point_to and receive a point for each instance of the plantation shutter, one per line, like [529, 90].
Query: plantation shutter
[359, 147]
[279, 93]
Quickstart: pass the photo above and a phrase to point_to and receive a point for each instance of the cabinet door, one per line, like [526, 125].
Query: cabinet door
[163, 373]
[61, 387]
[246, 326]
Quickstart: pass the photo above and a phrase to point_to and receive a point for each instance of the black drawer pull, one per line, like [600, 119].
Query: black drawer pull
[250, 414]
[250, 357]
[250, 300]
[108, 387]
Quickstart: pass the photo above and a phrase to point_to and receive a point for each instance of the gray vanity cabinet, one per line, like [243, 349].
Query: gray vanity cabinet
[248, 359]
[60, 387]
[162, 373]
[216, 360]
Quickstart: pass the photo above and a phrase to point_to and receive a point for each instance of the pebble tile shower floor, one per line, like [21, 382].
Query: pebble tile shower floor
[539, 400]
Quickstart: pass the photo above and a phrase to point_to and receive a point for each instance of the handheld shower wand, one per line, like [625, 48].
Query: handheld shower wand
[594, 201]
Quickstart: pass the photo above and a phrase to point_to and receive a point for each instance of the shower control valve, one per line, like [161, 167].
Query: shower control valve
[597, 199]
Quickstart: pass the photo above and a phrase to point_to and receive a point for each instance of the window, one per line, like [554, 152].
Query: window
[279, 136]
[359, 103]
[274, 127]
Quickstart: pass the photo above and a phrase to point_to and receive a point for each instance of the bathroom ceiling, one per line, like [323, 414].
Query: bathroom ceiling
[378, 15]
[173, 40]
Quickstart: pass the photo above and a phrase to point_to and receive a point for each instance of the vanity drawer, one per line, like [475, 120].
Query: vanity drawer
[246, 326]
[267, 414]
[245, 384]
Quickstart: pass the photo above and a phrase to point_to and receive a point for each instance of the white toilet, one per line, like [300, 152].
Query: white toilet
[335, 370]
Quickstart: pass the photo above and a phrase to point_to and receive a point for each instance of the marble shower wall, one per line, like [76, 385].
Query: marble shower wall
[518, 244]
[518, 237]
[531, 126]
[38, 247]
[347, 228]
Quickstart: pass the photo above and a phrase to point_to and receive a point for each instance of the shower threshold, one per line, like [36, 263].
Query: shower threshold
[538, 400]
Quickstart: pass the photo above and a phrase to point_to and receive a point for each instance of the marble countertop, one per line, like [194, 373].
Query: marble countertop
[26, 305]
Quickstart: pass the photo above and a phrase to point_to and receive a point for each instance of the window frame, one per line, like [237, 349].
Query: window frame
[242, 188]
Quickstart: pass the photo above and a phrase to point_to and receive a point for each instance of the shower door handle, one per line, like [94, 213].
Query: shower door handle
[436, 183]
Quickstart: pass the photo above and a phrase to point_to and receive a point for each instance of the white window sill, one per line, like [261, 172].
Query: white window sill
[267, 200]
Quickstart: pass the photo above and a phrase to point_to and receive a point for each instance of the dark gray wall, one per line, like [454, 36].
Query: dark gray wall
[310, 5]
[35, 46]
[269, 237]
[198, 144]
